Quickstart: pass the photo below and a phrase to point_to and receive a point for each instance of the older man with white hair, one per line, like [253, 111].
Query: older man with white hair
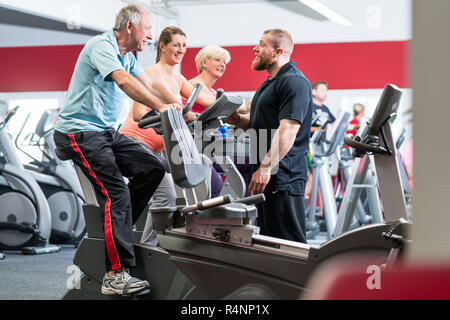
[86, 133]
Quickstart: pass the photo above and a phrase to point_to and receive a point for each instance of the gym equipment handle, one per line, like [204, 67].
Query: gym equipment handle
[145, 122]
[214, 202]
[13, 112]
[22, 227]
[219, 93]
[322, 130]
[258, 198]
[363, 146]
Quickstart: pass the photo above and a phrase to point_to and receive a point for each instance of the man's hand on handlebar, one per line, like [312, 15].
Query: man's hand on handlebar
[172, 105]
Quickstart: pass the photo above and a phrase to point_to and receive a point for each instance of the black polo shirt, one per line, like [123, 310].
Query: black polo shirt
[287, 96]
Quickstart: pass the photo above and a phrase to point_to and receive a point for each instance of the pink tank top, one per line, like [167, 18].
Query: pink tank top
[198, 108]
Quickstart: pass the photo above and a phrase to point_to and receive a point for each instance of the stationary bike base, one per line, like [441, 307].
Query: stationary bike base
[40, 250]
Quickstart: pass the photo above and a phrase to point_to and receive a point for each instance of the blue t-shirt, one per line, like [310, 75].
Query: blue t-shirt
[94, 101]
[287, 96]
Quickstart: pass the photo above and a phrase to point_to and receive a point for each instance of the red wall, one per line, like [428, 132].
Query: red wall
[47, 68]
[359, 65]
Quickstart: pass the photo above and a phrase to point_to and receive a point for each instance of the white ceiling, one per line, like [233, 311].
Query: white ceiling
[223, 22]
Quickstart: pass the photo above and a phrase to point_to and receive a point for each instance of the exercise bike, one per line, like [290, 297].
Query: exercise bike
[321, 150]
[208, 250]
[25, 218]
[57, 179]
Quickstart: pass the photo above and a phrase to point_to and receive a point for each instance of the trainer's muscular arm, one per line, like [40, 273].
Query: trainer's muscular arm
[282, 142]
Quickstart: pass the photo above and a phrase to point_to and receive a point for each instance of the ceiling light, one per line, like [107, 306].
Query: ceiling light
[326, 11]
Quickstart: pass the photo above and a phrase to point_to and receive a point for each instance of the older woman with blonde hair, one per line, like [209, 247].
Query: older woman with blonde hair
[211, 63]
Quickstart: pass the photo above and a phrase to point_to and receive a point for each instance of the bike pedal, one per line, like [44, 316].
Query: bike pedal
[129, 296]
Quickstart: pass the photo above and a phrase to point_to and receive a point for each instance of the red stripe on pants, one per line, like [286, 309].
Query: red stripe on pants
[110, 247]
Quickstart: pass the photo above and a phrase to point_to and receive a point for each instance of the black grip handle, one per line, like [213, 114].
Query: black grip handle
[363, 147]
[153, 120]
[145, 123]
[219, 93]
[149, 114]
[13, 112]
[192, 97]
[21, 227]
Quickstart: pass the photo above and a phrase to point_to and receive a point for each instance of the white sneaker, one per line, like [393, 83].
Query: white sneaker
[122, 283]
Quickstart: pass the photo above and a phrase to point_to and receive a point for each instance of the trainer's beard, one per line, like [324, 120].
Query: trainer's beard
[260, 64]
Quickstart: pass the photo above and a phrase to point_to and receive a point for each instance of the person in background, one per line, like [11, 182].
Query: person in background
[321, 113]
[407, 156]
[354, 124]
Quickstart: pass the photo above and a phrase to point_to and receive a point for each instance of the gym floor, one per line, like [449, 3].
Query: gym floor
[38, 277]
[45, 276]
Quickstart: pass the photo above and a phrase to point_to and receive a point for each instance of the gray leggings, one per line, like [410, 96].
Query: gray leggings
[164, 196]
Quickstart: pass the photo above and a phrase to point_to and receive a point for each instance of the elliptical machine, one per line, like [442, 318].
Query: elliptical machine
[57, 179]
[321, 149]
[216, 253]
[25, 218]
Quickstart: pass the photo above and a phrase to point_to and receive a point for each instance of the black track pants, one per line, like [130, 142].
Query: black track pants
[105, 157]
[282, 216]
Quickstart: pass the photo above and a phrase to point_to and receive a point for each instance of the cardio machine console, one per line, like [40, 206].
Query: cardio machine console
[222, 108]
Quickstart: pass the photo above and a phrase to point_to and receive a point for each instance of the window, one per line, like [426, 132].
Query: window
[30, 110]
